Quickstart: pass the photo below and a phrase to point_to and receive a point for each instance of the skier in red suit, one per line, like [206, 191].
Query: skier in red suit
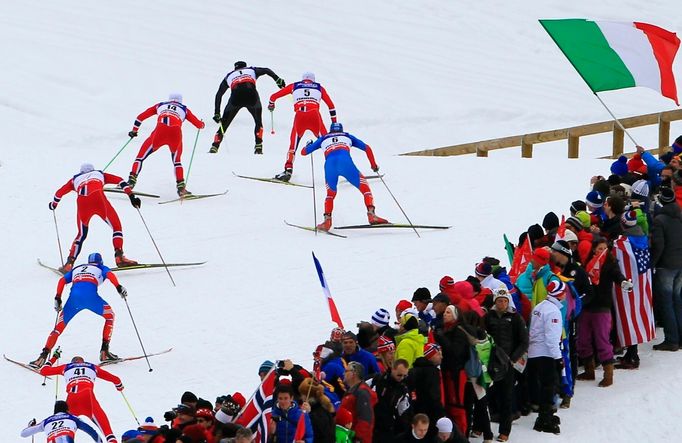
[307, 95]
[168, 131]
[88, 185]
[80, 379]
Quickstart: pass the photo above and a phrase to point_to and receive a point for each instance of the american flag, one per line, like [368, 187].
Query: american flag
[634, 311]
[256, 413]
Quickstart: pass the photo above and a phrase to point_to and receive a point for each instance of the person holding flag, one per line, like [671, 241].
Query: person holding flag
[288, 422]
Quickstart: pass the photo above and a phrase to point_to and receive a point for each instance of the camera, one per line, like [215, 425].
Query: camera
[170, 415]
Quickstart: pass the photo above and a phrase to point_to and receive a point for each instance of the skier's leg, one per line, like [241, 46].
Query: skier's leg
[145, 151]
[229, 114]
[56, 332]
[83, 217]
[99, 417]
[256, 110]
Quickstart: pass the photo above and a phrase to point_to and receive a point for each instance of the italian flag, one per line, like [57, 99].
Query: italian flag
[615, 55]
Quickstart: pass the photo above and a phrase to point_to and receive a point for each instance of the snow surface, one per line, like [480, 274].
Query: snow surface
[404, 76]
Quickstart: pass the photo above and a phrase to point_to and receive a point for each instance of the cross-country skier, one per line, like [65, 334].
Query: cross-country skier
[88, 185]
[307, 95]
[80, 377]
[84, 281]
[242, 82]
[338, 162]
[60, 427]
[168, 131]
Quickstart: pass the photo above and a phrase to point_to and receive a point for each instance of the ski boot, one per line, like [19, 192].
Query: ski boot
[258, 149]
[214, 148]
[284, 176]
[121, 260]
[40, 361]
[182, 190]
[132, 180]
[68, 265]
[326, 225]
[105, 354]
[373, 218]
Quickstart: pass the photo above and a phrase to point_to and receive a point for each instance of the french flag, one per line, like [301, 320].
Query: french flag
[336, 318]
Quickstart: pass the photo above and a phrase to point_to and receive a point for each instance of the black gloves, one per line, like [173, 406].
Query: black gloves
[135, 201]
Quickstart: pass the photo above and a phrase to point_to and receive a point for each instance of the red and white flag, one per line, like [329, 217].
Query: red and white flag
[256, 413]
[336, 318]
[634, 309]
[522, 256]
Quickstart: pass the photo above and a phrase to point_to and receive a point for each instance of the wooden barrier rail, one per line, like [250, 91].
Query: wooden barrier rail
[526, 141]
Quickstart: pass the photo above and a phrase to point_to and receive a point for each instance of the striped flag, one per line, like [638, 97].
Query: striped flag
[336, 318]
[257, 411]
[634, 309]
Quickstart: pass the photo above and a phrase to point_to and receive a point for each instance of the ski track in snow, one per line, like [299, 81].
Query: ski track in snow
[404, 77]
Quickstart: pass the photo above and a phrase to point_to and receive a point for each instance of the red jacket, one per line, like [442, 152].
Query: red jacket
[360, 401]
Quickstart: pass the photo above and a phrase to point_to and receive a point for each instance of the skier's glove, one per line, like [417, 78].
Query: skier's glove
[32, 422]
[57, 303]
[271, 106]
[52, 205]
[119, 387]
[121, 290]
[132, 134]
[135, 201]
[280, 82]
[202, 125]
[216, 117]
[57, 354]
[375, 168]
[626, 285]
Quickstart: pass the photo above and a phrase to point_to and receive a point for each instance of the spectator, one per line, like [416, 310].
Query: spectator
[351, 352]
[440, 302]
[575, 225]
[264, 368]
[447, 433]
[385, 353]
[344, 426]
[360, 401]
[391, 411]
[533, 282]
[666, 259]
[613, 209]
[286, 415]
[204, 417]
[319, 408]
[410, 344]
[422, 301]
[419, 431]
[424, 382]
[369, 332]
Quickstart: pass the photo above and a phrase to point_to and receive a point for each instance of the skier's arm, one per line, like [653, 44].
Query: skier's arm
[52, 370]
[88, 430]
[194, 120]
[330, 104]
[279, 94]
[111, 179]
[269, 72]
[61, 192]
[219, 96]
[142, 117]
[312, 147]
[63, 280]
[32, 430]
[368, 151]
[108, 376]
[111, 277]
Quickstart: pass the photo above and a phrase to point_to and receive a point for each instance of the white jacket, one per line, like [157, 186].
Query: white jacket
[492, 283]
[545, 329]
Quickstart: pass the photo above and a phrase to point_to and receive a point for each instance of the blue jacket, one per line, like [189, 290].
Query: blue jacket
[287, 421]
[366, 359]
[654, 168]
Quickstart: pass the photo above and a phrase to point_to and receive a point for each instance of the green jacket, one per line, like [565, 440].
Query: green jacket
[410, 346]
[344, 435]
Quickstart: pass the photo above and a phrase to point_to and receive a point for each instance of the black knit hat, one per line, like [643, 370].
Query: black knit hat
[666, 196]
[421, 294]
[60, 406]
[188, 397]
[562, 247]
[551, 221]
[578, 205]
[535, 232]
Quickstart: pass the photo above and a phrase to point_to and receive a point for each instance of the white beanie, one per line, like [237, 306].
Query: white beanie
[308, 76]
[175, 97]
[87, 167]
[570, 236]
[381, 317]
[444, 425]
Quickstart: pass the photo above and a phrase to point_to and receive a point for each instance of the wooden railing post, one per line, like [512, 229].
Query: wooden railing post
[481, 151]
[663, 134]
[618, 141]
[573, 145]
[526, 148]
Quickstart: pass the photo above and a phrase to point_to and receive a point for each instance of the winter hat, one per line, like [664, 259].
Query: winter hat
[666, 196]
[239, 64]
[87, 167]
[578, 205]
[175, 97]
[594, 199]
[441, 298]
[629, 219]
[409, 322]
[385, 344]
[344, 418]
[551, 221]
[446, 283]
[444, 425]
[677, 177]
[535, 232]
[574, 222]
[265, 367]
[601, 186]
[635, 164]
[129, 435]
[238, 398]
[402, 305]
[453, 310]
[620, 166]
[148, 427]
[561, 246]
[584, 218]
[431, 349]
[337, 334]
[464, 289]
[677, 145]
[308, 76]
[501, 293]
[381, 317]
[640, 190]
[614, 180]
[483, 269]
[570, 236]
[188, 397]
[185, 409]
[421, 294]
[351, 335]
[541, 256]
[204, 413]
[556, 289]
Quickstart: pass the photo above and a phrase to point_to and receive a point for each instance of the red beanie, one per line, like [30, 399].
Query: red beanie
[541, 256]
[402, 305]
[344, 418]
[635, 163]
[430, 349]
[446, 284]
[239, 399]
[464, 289]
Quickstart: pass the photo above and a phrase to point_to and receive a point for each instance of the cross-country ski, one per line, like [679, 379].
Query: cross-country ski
[138, 266]
[391, 225]
[272, 180]
[137, 357]
[24, 365]
[190, 197]
[312, 229]
[137, 193]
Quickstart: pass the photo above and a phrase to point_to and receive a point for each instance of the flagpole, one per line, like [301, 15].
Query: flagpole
[615, 119]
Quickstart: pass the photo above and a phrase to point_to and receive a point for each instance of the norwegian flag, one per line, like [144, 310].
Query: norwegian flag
[522, 256]
[255, 415]
[634, 309]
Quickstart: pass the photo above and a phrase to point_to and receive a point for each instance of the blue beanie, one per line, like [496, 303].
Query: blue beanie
[677, 145]
[595, 199]
[620, 166]
[266, 366]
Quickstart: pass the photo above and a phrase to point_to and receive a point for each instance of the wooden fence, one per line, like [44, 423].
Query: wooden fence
[526, 141]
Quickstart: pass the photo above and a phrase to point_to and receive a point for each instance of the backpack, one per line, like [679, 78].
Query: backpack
[473, 366]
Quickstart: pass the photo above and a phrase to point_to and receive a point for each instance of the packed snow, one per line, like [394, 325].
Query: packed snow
[404, 76]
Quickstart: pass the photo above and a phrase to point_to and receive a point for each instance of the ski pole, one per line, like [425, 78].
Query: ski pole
[117, 154]
[55, 325]
[189, 168]
[155, 246]
[130, 408]
[56, 383]
[272, 122]
[396, 202]
[59, 242]
[312, 170]
[138, 335]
